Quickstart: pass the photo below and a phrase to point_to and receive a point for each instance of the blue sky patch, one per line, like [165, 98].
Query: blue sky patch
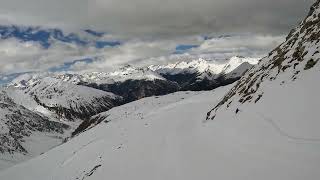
[102, 44]
[66, 66]
[182, 48]
[45, 36]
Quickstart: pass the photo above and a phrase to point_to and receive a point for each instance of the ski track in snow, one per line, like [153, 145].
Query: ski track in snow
[284, 133]
[74, 155]
[77, 152]
[277, 128]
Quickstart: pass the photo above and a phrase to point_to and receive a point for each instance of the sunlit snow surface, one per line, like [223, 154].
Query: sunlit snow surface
[167, 138]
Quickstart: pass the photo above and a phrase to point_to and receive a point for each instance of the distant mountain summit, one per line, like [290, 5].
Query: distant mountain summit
[201, 74]
[134, 83]
[201, 66]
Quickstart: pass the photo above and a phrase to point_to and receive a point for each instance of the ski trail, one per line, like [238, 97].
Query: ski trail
[280, 131]
[284, 133]
[73, 155]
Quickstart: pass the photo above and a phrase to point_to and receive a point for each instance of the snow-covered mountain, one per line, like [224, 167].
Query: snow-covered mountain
[139, 138]
[265, 127]
[25, 133]
[202, 66]
[288, 71]
[205, 75]
[132, 83]
[52, 96]
[72, 99]
[38, 113]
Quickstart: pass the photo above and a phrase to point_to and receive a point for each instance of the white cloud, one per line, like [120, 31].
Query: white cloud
[19, 56]
[150, 30]
[144, 53]
[159, 18]
[128, 53]
[243, 45]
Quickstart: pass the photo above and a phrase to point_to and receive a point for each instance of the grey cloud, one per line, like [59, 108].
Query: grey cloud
[160, 18]
[151, 29]
[144, 53]
[19, 57]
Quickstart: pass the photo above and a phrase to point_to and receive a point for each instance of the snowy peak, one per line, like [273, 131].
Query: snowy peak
[200, 66]
[194, 66]
[133, 83]
[123, 74]
[237, 61]
[151, 73]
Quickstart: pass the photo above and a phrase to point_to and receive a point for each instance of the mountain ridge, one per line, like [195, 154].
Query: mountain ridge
[298, 54]
[134, 83]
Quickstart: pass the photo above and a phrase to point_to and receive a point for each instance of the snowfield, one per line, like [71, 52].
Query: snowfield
[168, 137]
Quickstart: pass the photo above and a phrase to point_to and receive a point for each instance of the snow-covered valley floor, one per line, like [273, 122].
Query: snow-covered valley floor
[167, 137]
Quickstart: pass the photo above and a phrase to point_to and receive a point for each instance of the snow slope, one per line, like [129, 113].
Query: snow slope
[283, 85]
[167, 138]
[25, 134]
[39, 113]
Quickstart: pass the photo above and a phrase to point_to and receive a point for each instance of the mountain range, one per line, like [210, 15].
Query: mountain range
[257, 119]
[72, 100]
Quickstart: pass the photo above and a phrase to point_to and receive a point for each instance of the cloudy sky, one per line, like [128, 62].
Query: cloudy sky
[150, 31]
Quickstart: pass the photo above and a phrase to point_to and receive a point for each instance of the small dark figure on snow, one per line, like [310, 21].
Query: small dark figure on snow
[237, 110]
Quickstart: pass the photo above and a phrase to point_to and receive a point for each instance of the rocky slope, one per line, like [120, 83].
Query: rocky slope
[19, 126]
[288, 66]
